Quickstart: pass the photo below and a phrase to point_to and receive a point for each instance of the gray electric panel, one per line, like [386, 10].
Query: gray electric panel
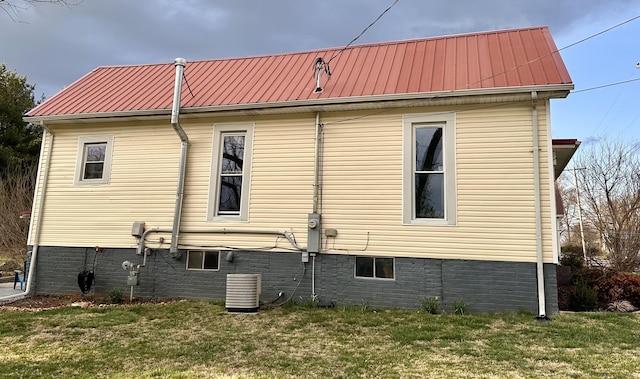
[313, 235]
[137, 230]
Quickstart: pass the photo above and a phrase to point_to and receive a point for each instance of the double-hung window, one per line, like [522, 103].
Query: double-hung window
[429, 193]
[93, 161]
[231, 165]
[230, 175]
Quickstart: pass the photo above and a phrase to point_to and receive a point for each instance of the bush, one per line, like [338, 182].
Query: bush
[459, 307]
[583, 298]
[115, 295]
[431, 305]
[592, 275]
[619, 287]
[572, 257]
[577, 249]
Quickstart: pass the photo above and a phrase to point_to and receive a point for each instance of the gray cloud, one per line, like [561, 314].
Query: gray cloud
[55, 45]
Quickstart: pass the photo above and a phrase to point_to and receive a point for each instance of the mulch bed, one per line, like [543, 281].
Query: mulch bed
[46, 302]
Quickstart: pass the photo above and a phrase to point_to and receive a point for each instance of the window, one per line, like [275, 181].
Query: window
[93, 161]
[230, 173]
[429, 194]
[203, 260]
[231, 166]
[375, 267]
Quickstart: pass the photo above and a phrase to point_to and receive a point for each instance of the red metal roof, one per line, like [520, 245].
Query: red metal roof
[497, 59]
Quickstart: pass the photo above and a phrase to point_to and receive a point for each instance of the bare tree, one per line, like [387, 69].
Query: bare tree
[567, 193]
[16, 196]
[13, 7]
[609, 184]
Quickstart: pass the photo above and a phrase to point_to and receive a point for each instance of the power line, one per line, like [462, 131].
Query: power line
[607, 85]
[384, 110]
[630, 124]
[320, 65]
[599, 33]
[554, 52]
[362, 32]
[611, 107]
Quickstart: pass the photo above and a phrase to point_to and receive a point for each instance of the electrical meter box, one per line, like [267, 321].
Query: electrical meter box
[313, 235]
[137, 229]
[133, 279]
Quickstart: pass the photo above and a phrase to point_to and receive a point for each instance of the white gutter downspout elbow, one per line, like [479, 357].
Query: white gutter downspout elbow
[542, 313]
[180, 64]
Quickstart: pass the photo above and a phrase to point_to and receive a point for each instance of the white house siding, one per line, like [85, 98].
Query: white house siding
[361, 193]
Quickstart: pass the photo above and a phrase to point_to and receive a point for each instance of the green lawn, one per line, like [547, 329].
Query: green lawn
[195, 339]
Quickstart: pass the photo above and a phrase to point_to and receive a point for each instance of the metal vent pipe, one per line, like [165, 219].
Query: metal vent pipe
[180, 64]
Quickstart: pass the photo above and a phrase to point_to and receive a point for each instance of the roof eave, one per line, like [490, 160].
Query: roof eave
[404, 100]
[563, 151]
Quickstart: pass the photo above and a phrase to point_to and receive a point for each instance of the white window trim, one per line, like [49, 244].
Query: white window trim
[80, 163]
[447, 122]
[214, 181]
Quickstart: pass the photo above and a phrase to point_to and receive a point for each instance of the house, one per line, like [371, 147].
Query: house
[384, 173]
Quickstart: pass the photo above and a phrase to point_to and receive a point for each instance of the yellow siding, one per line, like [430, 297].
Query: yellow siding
[496, 214]
[361, 185]
[142, 186]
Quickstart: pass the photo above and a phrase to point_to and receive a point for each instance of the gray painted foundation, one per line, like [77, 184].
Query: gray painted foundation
[485, 286]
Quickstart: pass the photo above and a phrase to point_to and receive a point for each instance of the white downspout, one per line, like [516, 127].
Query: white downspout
[180, 64]
[542, 313]
[35, 232]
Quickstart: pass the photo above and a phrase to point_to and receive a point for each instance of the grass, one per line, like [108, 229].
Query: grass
[196, 339]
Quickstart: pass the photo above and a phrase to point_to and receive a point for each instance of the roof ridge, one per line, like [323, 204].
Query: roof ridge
[326, 50]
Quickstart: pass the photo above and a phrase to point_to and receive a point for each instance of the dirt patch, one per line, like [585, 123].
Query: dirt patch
[45, 302]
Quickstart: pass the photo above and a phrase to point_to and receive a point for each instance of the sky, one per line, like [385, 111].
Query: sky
[55, 45]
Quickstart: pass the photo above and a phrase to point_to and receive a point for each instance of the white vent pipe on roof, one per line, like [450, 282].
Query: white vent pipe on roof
[180, 64]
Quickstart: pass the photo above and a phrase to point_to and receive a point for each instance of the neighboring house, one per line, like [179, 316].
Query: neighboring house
[423, 168]
[563, 150]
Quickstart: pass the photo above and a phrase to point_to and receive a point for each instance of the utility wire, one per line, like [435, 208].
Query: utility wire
[554, 52]
[501, 73]
[630, 124]
[610, 108]
[599, 33]
[188, 86]
[362, 32]
[606, 85]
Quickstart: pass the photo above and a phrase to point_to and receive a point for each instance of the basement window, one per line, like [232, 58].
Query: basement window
[375, 267]
[203, 260]
[93, 160]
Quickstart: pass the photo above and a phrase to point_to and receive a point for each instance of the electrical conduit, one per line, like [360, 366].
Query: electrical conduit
[316, 200]
[141, 244]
